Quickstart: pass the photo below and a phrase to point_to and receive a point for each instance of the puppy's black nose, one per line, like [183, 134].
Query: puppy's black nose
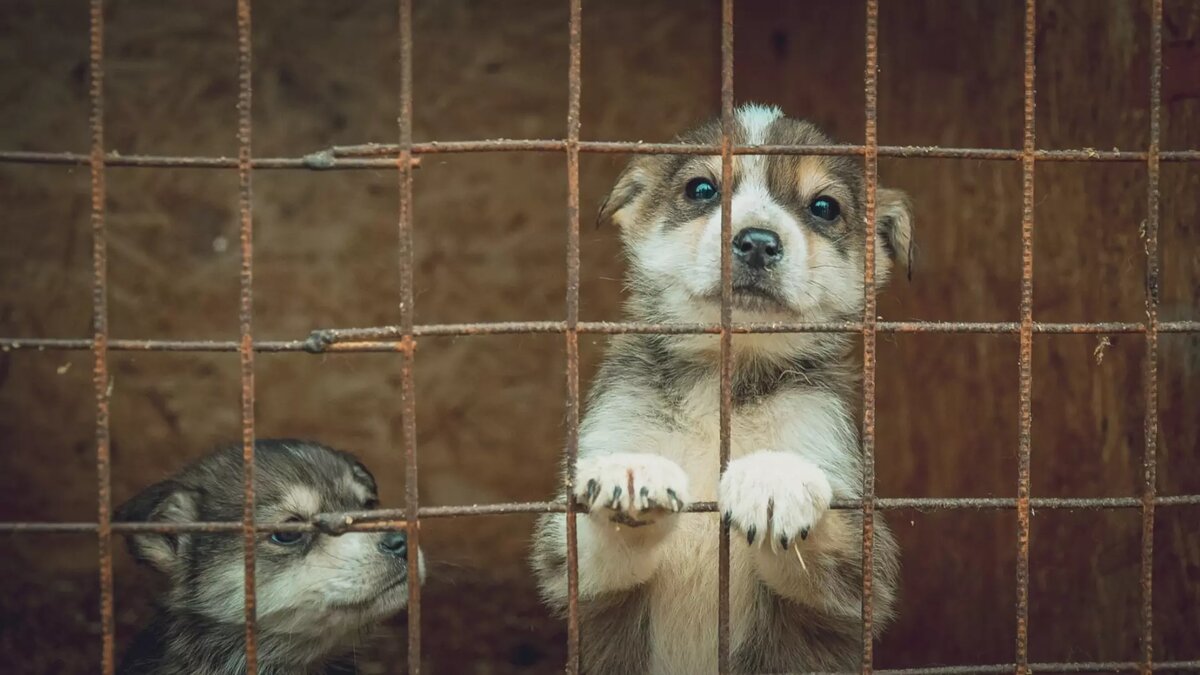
[395, 543]
[757, 248]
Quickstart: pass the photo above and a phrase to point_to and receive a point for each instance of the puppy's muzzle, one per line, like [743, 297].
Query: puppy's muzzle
[757, 248]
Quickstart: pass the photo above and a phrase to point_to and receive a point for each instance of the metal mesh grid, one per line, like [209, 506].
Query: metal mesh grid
[402, 338]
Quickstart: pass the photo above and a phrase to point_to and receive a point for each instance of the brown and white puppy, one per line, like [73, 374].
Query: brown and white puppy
[317, 594]
[649, 439]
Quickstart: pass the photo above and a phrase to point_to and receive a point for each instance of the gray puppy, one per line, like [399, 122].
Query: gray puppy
[649, 440]
[317, 594]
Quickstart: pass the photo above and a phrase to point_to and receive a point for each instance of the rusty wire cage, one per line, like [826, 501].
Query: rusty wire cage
[402, 338]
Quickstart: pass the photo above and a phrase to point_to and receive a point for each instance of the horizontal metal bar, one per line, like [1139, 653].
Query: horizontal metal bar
[317, 161]
[638, 147]
[930, 503]
[72, 344]
[336, 336]
[987, 503]
[1064, 667]
[231, 527]
[390, 339]
[377, 156]
[389, 519]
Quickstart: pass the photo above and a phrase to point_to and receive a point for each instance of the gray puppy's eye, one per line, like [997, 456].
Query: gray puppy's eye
[286, 538]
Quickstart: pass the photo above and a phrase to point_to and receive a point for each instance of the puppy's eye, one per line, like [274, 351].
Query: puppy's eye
[825, 208]
[287, 538]
[700, 189]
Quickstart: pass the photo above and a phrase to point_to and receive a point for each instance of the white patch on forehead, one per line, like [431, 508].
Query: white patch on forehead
[301, 500]
[756, 119]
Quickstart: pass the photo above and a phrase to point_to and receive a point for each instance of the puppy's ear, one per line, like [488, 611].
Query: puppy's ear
[362, 474]
[630, 184]
[894, 226]
[165, 502]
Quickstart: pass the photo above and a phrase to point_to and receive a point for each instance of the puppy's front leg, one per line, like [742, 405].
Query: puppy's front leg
[779, 501]
[632, 502]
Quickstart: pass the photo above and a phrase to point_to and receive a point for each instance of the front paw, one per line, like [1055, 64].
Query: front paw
[631, 488]
[774, 496]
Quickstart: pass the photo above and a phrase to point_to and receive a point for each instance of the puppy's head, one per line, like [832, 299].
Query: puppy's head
[797, 227]
[304, 581]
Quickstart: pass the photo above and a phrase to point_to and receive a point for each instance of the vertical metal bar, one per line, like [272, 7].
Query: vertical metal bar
[1024, 447]
[246, 343]
[408, 408]
[100, 334]
[871, 171]
[1150, 459]
[574, 87]
[726, 405]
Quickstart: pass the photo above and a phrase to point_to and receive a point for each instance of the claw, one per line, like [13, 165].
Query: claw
[784, 542]
[593, 491]
[676, 502]
[727, 519]
[804, 533]
[750, 535]
[616, 497]
[645, 496]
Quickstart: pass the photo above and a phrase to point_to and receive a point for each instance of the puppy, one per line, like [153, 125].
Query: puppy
[317, 594]
[648, 446]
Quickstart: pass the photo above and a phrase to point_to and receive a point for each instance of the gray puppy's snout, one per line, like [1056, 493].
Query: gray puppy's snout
[395, 543]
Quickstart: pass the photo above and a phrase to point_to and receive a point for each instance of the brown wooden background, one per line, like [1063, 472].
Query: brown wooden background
[489, 246]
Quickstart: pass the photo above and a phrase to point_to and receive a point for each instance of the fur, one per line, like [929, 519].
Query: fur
[316, 597]
[649, 439]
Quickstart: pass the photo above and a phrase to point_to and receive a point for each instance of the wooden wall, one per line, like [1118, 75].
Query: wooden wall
[489, 247]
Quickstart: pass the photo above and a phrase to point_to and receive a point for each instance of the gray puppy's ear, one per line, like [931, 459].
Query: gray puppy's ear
[165, 502]
[894, 226]
[362, 474]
